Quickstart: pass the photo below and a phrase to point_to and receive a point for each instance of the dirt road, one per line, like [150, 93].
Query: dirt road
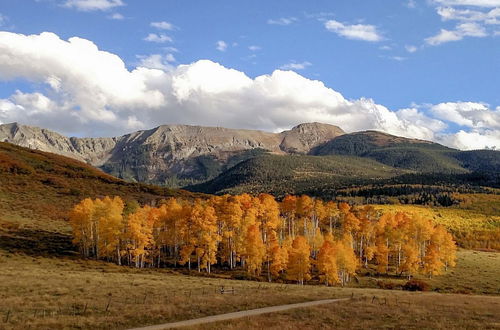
[236, 315]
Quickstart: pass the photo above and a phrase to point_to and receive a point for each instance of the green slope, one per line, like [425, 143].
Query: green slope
[282, 175]
[417, 155]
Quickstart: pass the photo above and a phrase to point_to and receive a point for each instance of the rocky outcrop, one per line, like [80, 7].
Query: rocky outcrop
[171, 151]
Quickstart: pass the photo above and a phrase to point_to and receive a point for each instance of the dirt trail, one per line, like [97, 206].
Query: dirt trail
[236, 315]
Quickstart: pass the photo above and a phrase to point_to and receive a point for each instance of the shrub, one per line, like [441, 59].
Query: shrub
[416, 285]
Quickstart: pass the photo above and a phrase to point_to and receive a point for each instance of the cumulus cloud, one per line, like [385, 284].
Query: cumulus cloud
[469, 114]
[467, 15]
[412, 4]
[157, 61]
[254, 48]
[90, 92]
[221, 46]
[477, 3]
[163, 25]
[92, 5]
[461, 31]
[363, 32]
[296, 66]
[282, 21]
[472, 140]
[158, 38]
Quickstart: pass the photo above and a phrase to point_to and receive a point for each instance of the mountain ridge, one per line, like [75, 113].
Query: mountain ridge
[308, 156]
[167, 151]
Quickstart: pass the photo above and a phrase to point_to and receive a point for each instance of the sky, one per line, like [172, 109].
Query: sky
[426, 69]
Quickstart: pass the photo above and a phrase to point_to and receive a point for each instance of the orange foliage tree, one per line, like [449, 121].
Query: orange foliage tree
[296, 238]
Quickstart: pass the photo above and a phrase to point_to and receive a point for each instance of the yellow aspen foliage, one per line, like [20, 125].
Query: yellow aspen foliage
[279, 259]
[80, 219]
[327, 262]
[139, 235]
[255, 250]
[111, 227]
[299, 261]
[259, 233]
[346, 260]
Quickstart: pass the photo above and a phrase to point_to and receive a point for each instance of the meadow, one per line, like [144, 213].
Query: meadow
[66, 292]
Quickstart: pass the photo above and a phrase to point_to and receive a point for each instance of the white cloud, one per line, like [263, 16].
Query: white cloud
[469, 114]
[221, 45]
[476, 3]
[472, 140]
[398, 58]
[91, 5]
[157, 61]
[116, 16]
[90, 92]
[295, 66]
[467, 15]
[254, 48]
[411, 48]
[363, 32]
[461, 31]
[412, 4]
[282, 21]
[171, 49]
[158, 38]
[163, 25]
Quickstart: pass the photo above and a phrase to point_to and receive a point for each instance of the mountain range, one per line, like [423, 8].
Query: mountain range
[216, 159]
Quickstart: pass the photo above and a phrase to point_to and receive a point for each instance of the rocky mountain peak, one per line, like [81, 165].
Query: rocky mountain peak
[171, 150]
[303, 137]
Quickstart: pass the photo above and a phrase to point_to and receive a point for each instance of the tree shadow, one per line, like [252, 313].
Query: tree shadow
[37, 243]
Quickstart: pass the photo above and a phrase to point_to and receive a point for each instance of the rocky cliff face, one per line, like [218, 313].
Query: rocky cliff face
[171, 153]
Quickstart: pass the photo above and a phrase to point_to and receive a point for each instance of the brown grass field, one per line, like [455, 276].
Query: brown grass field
[67, 293]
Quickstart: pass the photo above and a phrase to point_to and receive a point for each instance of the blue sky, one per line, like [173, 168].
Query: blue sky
[433, 64]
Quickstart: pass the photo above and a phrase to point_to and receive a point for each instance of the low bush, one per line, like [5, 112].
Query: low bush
[416, 285]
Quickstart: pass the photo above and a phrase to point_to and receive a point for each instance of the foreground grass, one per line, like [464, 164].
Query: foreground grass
[63, 293]
[386, 311]
[56, 293]
[476, 272]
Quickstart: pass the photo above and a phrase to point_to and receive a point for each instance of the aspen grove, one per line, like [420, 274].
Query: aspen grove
[295, 239]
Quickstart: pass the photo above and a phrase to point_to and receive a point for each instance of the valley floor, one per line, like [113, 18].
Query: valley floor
[56, 293]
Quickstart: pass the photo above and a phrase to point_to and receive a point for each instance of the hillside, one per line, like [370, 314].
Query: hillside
[342, 176]
[281, 175]
[37, 189]
[417, 155]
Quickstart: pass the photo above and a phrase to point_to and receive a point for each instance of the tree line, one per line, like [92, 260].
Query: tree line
[295, 239]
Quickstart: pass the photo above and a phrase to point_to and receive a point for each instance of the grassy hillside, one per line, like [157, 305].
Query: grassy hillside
[418, 155]
[330, 177]
[37, 189]
[281, 175]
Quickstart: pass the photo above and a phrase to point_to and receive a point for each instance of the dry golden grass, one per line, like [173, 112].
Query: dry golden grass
[53, 292]
[57, 293]
[387, 311]
[476, 272]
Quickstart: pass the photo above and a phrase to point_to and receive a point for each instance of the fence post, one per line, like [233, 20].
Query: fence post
[7, 316]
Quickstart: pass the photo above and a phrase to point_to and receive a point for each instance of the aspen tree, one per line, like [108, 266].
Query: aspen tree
[299, 261]
[327, 261]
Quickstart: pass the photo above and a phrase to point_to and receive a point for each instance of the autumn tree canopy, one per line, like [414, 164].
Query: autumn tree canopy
[296, 238]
